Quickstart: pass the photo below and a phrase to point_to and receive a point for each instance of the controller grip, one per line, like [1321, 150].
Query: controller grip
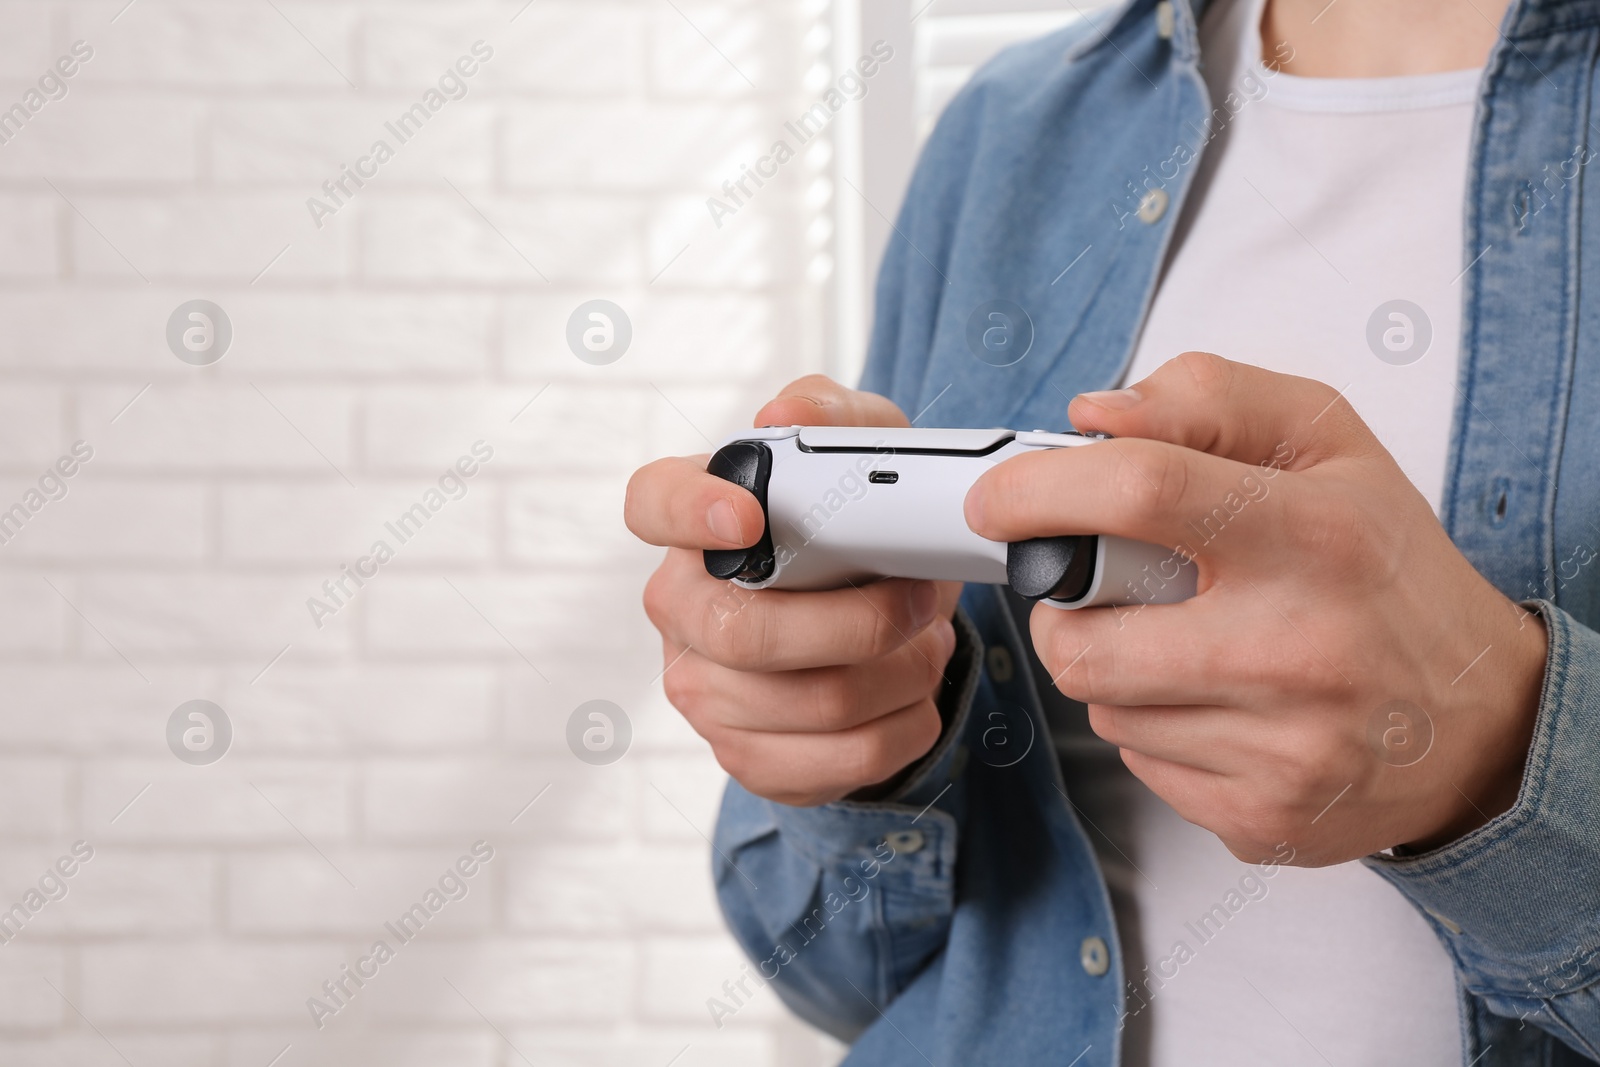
[747, 464]
[1060, 568]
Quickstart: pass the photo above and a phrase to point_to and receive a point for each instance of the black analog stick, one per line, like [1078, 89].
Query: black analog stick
[1057, 567]
[747, 464]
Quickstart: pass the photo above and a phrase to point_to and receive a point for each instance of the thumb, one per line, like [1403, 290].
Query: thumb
[817, 400]
[1234, 410]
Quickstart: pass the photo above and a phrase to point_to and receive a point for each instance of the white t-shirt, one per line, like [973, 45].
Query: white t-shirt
[1322, 200]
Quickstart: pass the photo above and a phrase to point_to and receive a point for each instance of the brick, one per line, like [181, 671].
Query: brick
[90, 1050]
[632, 683]
[571, 521]
[196, 43]
[611, 890]
[295, 891]
[131, 892]
[565, 427]
[762, 245]
[26, 974]
[442, 237]
[33, 799]
[328, 525]
[203, 238]
[27, 234]
[725, 50]
[117, 522]
[366, 334]
[25, 48]
[521, 620]
[330, 1048]
[32, 435]
[156, 983]
[736, 1046]
[232, 800]
[33, 618]
[563, 48]
[635, 146]
[85, 137]
[248, 618]
[687, 420]
[509, 980]
[356, 709]
[576, 48]
[412, 46]
[329, 337]
[71, 328]
[678, 976]
[678, 338]
[302, 143]
[78, 707]
[680, 797]
[452, 800]
[198, 427]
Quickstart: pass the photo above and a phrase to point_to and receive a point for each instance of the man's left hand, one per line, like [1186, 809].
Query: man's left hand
[1344, 680]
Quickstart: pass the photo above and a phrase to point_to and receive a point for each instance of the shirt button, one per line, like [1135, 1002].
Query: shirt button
[904, 842]
[1094, 956]
[1001, 667]
[1166, 23]
[1153, 205]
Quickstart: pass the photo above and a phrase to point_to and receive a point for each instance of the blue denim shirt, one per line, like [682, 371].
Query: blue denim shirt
[964, 919]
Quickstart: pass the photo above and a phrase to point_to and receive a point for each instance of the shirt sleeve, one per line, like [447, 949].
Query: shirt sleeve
[1517, 901]
[839, 907]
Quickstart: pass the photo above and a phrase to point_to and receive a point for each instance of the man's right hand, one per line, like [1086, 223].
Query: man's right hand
[804, 697]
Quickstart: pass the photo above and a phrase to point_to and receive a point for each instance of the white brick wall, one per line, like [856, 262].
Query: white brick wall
[366, 357]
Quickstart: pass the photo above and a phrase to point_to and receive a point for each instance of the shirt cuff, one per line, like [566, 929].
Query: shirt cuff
[1515, 901]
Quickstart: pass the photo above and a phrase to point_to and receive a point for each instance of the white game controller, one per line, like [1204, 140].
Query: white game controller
[847, 505]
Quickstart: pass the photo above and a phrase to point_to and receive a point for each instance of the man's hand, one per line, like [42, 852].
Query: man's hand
[804, 697]
[1327, 590]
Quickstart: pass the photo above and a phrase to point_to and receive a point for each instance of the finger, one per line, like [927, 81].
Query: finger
[1221, 740]
[1197, 795]
[1145, 490]
[774, 630]
[1172, 654]
[674, 502]
[1229, 409]
[817, 400]
[815, 768]
[812, 700]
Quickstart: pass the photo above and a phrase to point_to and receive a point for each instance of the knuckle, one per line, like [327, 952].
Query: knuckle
[814, 385]
[1079, 670]
[1103, 721]
[658, 602]
[1209, 371]
[834, 697]
[876, 631]
[1158, 488]
[1255, 822]
[685, 685]
[733, 755]
[879, 750]
[740, 638]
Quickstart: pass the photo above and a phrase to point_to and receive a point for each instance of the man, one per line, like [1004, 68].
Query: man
[979, 834]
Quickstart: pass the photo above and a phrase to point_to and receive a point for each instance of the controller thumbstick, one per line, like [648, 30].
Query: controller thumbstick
[1057, 567]
[747, 464]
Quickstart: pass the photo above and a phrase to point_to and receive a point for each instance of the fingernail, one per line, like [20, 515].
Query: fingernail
[724, 523]
[1113, 399]
[924, 605]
